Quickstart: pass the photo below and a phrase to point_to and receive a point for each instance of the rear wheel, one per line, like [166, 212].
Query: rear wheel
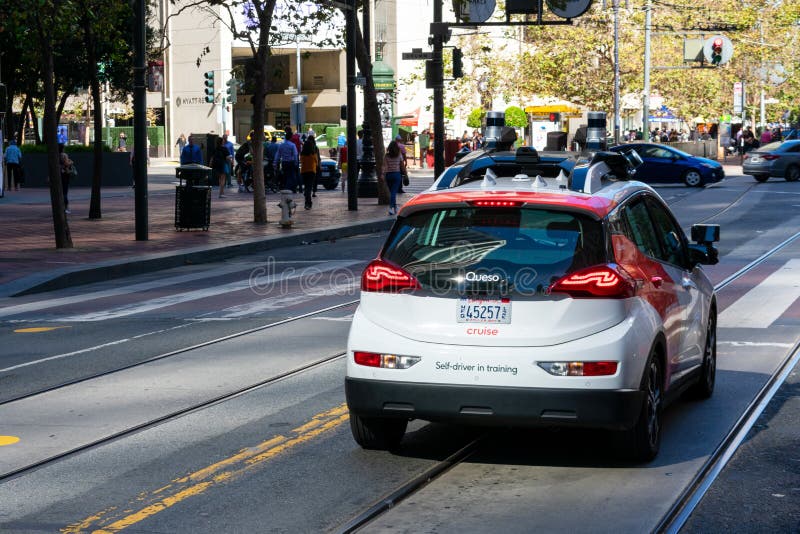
[692, 178]
[761, 177]
[377, 433]
[644, 439]
[705, 386]
[793, 173]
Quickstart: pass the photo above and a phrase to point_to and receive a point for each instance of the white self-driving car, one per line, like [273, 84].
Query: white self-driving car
[523, 301]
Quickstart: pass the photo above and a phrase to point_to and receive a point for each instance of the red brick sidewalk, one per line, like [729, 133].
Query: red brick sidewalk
[28, 245]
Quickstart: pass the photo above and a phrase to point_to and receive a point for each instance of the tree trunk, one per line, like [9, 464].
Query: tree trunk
[372, 114]
[60, 224]
[23, 120]
[262, 54]
[36, 138]
[97, 168]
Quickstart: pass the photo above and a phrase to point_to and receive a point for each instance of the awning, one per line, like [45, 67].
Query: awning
[410, 119]
[552, 108]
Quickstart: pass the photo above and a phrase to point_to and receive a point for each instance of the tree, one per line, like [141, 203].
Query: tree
[516, 117]
[475, 118]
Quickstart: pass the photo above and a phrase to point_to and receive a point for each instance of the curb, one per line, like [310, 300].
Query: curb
[113, 269]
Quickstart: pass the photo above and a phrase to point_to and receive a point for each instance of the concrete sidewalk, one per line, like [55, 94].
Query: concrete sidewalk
[107, 248]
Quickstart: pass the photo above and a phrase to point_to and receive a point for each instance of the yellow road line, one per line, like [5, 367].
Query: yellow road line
[206, 478]
[8, 440]
[37, 329]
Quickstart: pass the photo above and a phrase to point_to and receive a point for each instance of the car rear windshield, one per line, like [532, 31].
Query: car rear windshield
[494, 250]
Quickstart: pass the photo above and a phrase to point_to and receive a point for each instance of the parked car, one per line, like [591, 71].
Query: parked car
[524, 301]
[664, 165]
[330, 174]
[774, 160]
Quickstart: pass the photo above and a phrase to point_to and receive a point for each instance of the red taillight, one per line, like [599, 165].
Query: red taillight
[602, 281]
[599, 368]
[370, 359]
[381, 275]
[770, 157]
[496, 203]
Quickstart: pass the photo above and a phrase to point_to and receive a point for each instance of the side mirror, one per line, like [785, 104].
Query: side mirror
[703, 254]
[705, 233]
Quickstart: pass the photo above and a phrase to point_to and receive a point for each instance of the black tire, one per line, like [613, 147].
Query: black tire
[761, 178]
[708, 371]
[377, 433]
[693, 178]
[793, 173]
[644, 439]
[330, 186]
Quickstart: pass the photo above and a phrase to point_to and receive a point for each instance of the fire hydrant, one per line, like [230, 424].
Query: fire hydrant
[287, 206]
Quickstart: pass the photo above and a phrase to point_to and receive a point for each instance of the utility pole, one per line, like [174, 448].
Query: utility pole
[616, 72]
[646, 97]
[350, 59]
[438, 96]
[139, 122]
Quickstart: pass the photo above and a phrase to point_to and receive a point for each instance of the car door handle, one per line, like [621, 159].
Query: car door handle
[657, 281]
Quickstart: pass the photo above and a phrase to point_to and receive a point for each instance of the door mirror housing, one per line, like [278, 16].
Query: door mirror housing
[703, 254]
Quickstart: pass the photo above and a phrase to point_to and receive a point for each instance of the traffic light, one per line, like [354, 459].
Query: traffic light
[434, 75]
[343, 112]
[233, 86]
[716, 51]
[555, 117]
[458, 65]
[209, 76]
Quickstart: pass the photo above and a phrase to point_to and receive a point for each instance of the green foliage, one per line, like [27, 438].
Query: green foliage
[42, 149]
[516, 117]
[475, 117]
[155, 134]
[449, 113]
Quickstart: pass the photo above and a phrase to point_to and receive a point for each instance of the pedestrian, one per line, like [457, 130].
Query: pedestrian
[220, 160]
[13, 157]
[239, 158]
[341, 140]
[181, 142]
[191, 153]
[766, 136]
[424, 145]
[309, 166]
[394, 166]
[311, 133]
[62, 135]
[231, 152]
[404, 154]
[414, 148]
[123, 142]
[343, 164]
[67, 169]
[286, 159]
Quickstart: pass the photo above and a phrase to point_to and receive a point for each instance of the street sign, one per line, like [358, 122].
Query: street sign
[360, 80]
[738, 97]
[299, 99]
[417, 54]
[290, 91]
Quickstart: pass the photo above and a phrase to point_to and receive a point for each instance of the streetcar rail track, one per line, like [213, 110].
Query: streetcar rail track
[172, 416]
[178, 351]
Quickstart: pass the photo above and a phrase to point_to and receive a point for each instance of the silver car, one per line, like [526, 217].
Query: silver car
[777, 160]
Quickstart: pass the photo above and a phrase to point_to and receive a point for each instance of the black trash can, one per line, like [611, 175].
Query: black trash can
[193, 197]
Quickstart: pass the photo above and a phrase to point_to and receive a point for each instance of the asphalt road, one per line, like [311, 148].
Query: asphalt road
[280, 457]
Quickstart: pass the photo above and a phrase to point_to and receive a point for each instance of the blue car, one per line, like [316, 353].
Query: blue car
[662, 164]
[524, 160]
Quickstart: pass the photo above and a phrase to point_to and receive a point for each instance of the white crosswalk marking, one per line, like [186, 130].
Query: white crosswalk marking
[762, 305]
[178, 298]
[124, 290]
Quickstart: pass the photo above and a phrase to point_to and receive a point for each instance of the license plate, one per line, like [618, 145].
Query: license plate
[325, 174]
[484, 311]
[755, 159]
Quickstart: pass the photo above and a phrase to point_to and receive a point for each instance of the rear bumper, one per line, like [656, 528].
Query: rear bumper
[494, 405]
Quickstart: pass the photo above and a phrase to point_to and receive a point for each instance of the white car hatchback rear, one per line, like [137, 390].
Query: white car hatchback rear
[521, 303]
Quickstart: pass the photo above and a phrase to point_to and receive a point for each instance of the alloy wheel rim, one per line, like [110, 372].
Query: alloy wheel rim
[711, 360]
[653, 404]
[692, 178]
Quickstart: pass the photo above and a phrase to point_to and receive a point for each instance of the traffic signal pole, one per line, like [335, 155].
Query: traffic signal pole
[139, 122]
[438, 97]
[351, 21]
